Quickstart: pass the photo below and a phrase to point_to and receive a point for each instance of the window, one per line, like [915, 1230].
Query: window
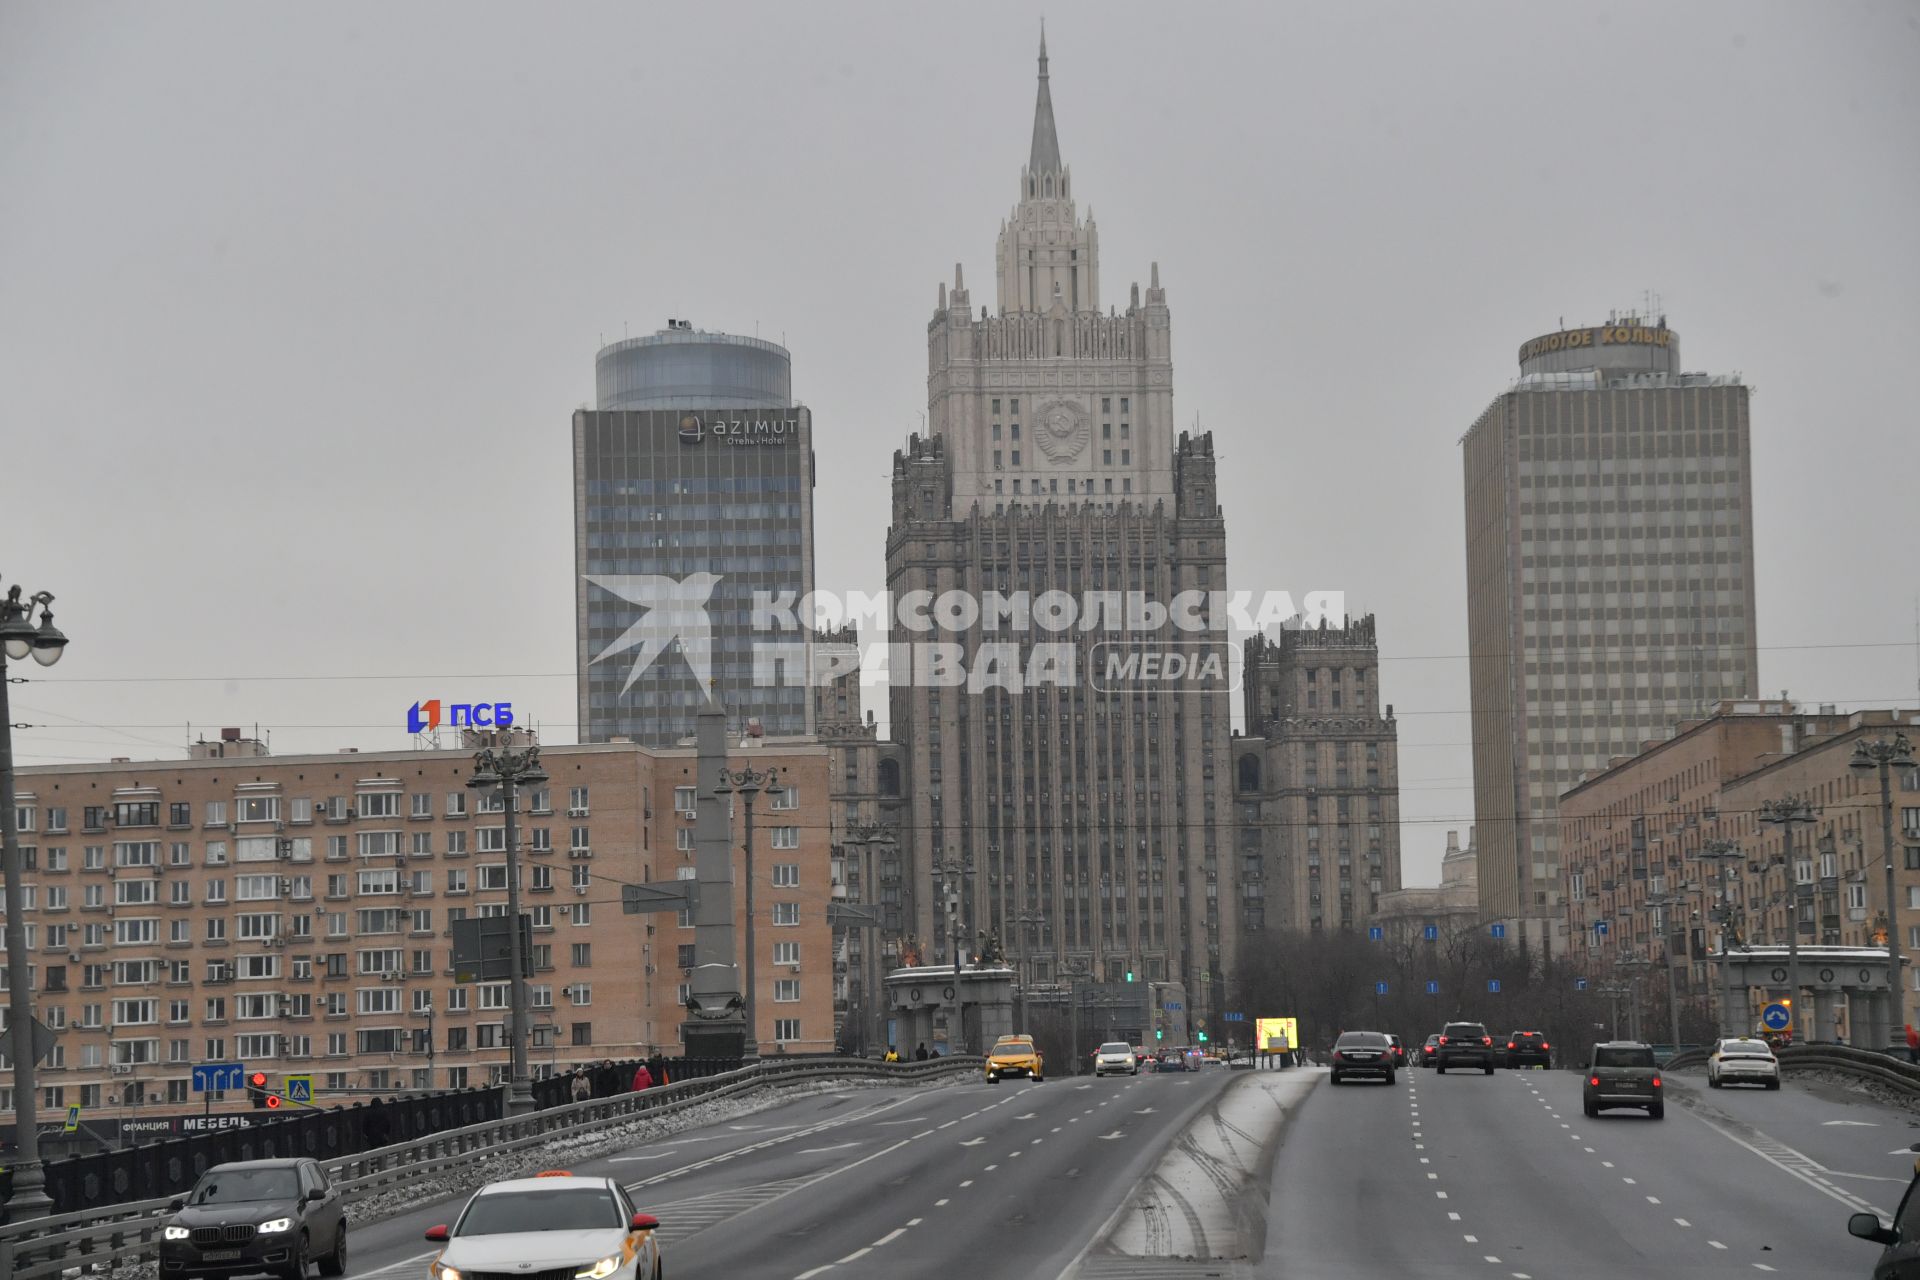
[140, 814]
[422, 844]
[577, 802]
[379, 882]
[582, 955]
[493, 875]
[786, 1028]
[379, 804]
[785, 837]
[379, 844]
[788, 913]
[492, 840]
[145, 931]
[143, 853]
[786, 953]
[786, 875]
[786, 798]
[786, 991]
[683, 802]
[582, 915]
[580, 841]
[420, 805]
[456, 804]
[258, 808]
[378, 999]
[216, 813]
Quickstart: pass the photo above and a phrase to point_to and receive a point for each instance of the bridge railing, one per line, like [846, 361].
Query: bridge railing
[1862, 1064]
[126, 1234]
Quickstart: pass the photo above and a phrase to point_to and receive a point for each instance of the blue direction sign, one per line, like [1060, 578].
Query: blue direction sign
[1379, 988]
[1493, 985]
[1600, 928]
[214, 1076]
[1775, 1017]
[1498, 930]
[1375, 933]
[1579, 984]
[1431, 933]
[1234, 1017]
[1433, 988]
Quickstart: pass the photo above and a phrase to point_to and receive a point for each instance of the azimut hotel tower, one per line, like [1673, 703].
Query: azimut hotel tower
[692, 493]
[1609, 505]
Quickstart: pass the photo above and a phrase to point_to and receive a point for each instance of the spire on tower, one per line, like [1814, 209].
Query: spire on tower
[1046, 141]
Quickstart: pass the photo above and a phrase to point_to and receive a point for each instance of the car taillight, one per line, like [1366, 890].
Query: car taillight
[1545, 1045]
[1594, 1081]
[1443, 1039]
[1656, 1082]
[1509, 1044]
[1488, 1040]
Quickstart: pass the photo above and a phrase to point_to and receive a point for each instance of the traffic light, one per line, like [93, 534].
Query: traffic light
[257, 1089]
[1203, 1037]
[1129, 975]
[1158, 1034]
[274, 1101]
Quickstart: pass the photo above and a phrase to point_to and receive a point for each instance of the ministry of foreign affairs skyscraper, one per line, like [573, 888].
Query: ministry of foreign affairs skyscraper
[1091, 805]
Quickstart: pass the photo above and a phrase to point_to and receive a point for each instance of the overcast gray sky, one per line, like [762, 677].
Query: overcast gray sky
[298, 302]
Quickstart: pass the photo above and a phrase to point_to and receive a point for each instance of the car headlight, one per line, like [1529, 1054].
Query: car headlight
[277, 1225]
[442, 1271]
[177, 1233]
[601, 1269]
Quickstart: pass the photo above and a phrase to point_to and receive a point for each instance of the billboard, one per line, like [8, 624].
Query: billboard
[1267, 1032]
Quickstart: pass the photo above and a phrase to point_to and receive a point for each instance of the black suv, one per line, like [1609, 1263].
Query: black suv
[1464, 1044]
[1622, 1073]
[1529, 1049]
[257, 1216]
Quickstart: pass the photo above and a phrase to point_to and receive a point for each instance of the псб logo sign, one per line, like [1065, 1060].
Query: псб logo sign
[424, 717]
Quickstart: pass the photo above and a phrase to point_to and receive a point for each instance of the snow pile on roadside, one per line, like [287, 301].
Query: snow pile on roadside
[1884, 1094]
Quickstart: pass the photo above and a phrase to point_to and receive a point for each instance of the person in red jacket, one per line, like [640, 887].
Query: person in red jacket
[642, 1079]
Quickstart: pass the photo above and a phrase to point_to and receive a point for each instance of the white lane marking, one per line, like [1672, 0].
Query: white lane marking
[1869, 1177]
[1490, 1258]
[658, 1155]
[1109, 1137]
[1472, 1239]
[1682, 1222]
[1433, 1177]
[926, 1134]
[1056, 1128]
[908, 1120]
[914, 1222]
[1440, 1194]
[1716, 1244]
[1653, 1199]
[1852, 1124]
[1452, 1216]
[973, 1142]
[1588, 1150]
[1762, 1266]
[809, 1275]
[1424, 1160]
[1036, 1142]
[1629, 1181]
[938, 1203]
[888, 1238]
[990, 1168]
[1013, 1155]
[1818, 1184]
[967, 1183]
[1606, 1164]
[1030, 1115]
[854, 1256]
[814, 1151]
[949, 1124]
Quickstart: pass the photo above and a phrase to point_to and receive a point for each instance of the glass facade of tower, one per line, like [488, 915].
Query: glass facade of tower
[680, 518]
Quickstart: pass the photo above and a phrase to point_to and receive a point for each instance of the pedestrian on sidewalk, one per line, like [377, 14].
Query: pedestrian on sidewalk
[642, 1078]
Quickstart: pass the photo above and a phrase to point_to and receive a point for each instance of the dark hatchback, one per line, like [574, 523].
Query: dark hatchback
[253, 1217]
[1363, 1053]
[1464, 1044]
[1529, 1049]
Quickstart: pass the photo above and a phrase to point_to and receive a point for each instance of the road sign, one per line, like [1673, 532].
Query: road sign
[1234, 1017]
[73, 1117]
[1493, 985]
[1431, 933]
[1579, 984]
[1379, 988]
[483, 948]
[1433, 988]
[299, 1088]
[659, 895]
[1775, 1017]
[43, 1038]
[1375, 933]
[1600, 928]
[213, 1076]
[846, 915]
[1498, 930]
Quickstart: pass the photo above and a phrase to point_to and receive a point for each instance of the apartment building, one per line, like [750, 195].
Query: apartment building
[295, 913]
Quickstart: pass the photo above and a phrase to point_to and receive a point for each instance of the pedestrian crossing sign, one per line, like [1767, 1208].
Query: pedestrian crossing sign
[299, 1088]
[73, 1117]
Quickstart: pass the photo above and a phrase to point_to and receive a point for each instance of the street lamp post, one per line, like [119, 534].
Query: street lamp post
[1725, 852]
[1633, 966]
[873, 1012]
[1785, 813]
[1885, 755]
[510, 768]
[749, 783]
[1662, 905]
[20, 638]
[1021, 952]
[953, 874]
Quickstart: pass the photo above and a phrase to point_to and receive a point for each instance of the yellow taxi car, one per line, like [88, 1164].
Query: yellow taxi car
[1015, 1056]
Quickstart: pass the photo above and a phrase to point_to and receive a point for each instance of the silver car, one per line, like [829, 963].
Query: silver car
[1115, 1058]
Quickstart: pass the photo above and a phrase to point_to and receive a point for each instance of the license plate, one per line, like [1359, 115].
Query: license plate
[221, 1255]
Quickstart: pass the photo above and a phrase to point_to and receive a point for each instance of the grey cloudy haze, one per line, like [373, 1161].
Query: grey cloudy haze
[298, 303]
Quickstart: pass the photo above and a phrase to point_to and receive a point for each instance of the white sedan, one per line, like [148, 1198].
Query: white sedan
[1743, 1061]
[554, 1227]
[1117, 1058]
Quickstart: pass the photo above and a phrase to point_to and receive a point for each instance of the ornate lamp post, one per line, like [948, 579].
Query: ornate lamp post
[509, 768]
[873, 1013]
[1021, 923]
[1885, 756]
[953, 875]
[749, 783]
[1725, 852]
[20, 638]
[1786, 813]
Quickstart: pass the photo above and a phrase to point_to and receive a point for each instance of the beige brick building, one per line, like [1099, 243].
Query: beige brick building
[295, 913]
[1636, 830]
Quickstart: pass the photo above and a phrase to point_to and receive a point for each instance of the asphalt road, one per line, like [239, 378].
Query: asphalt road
[1468, 1175]
[877, 1182]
